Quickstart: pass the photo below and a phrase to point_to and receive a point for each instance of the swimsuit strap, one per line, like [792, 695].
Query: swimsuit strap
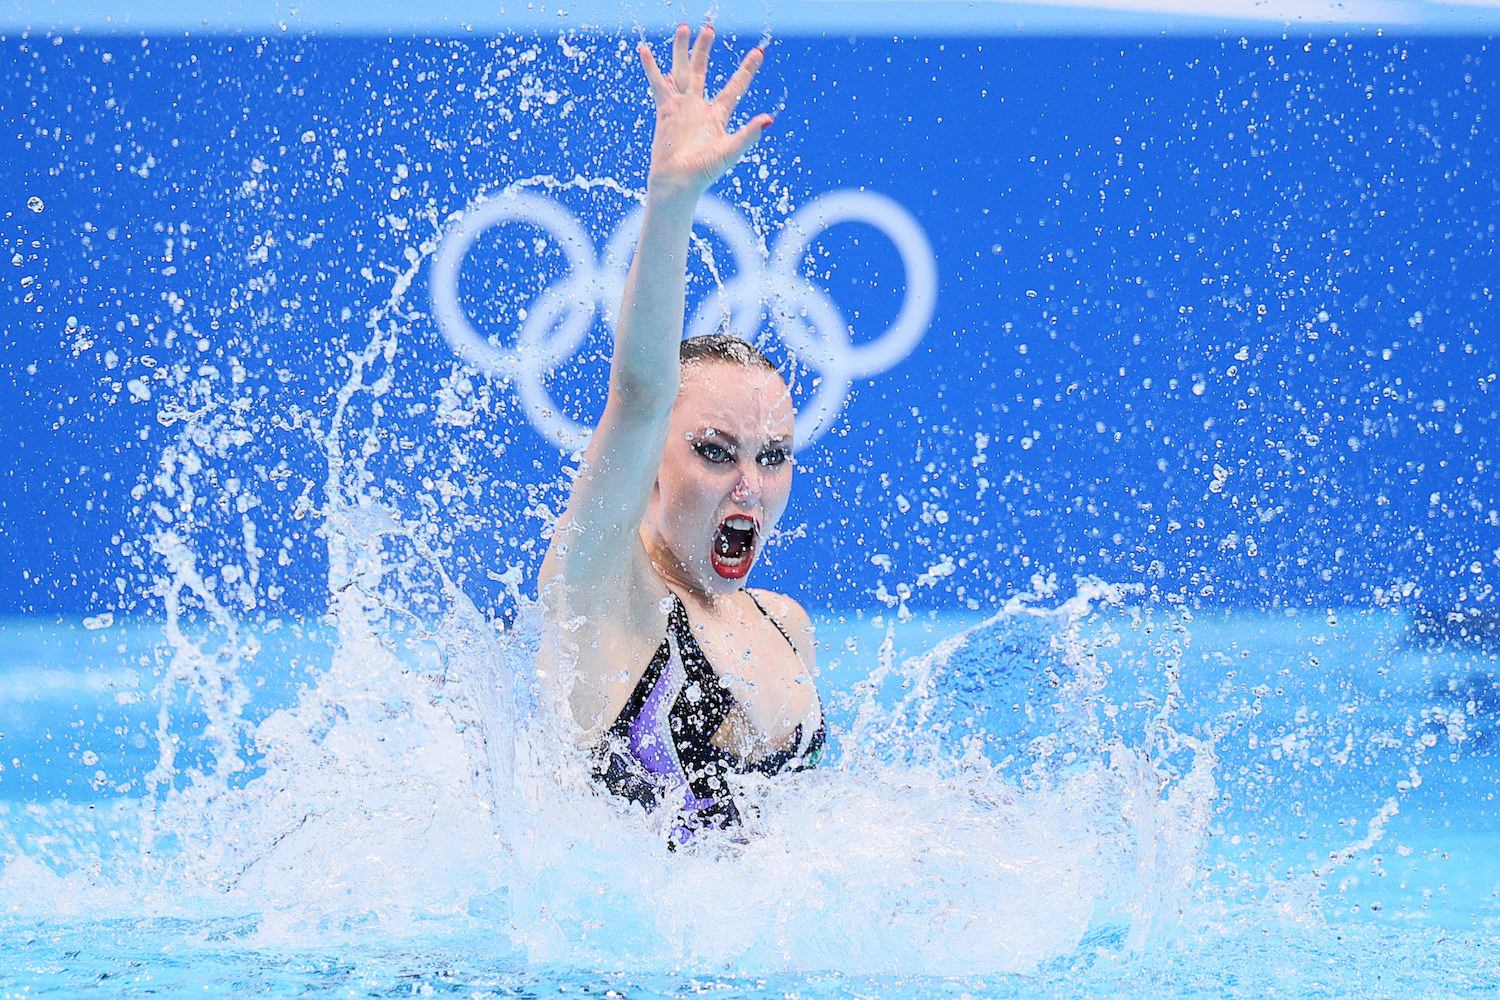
[694, 660]
[795, 752]
[768, 614]
[703, 704]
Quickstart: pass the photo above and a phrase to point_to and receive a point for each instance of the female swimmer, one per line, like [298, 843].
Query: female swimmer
[682, 675]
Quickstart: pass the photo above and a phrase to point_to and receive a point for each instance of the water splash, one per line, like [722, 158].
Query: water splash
[411, 791]
[420, 784]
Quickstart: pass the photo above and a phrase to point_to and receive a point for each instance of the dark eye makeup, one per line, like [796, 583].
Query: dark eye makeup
[714, 452]
[718, 453]
[773, 457]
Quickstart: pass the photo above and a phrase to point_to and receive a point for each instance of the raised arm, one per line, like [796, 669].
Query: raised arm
[595, 548]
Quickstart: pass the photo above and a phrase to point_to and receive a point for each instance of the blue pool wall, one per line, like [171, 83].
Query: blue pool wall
[1236, 292]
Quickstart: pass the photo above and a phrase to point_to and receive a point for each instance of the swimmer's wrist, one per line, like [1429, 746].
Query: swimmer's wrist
[672, 202]
[666, 190]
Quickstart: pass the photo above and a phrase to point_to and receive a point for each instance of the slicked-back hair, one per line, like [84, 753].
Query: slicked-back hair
[724, 348]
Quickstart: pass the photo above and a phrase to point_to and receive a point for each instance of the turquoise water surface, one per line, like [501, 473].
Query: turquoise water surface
[1341, 839]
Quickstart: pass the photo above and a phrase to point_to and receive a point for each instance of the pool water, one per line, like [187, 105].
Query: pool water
[1326, 833]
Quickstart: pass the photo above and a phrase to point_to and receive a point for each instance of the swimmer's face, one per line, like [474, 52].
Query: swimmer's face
[725, 474]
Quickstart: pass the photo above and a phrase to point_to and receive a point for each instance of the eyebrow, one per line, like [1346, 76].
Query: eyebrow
[779, 441]
[714, 432]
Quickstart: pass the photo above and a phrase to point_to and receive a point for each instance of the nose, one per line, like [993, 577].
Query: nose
[747, 490]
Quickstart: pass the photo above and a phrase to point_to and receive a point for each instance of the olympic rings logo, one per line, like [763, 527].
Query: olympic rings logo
[773, 287]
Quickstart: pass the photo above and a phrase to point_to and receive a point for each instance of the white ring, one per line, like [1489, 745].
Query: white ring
[906, 330]
[802, 315]
[513, 206]
[547, 417]
[544, 343]
[795, 327]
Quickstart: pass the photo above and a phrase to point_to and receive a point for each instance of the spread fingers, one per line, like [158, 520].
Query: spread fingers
[680, 74]
[735, 89]
[660, 88]
[701, 46]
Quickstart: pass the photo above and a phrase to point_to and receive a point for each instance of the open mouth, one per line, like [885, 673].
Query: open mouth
[734, 546]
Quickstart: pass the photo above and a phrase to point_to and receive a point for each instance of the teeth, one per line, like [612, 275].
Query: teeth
[740, 523]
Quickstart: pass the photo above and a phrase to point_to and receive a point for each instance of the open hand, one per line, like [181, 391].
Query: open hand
[691, 146]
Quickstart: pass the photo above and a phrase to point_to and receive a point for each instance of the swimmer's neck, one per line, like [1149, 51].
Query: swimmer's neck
[710, 601]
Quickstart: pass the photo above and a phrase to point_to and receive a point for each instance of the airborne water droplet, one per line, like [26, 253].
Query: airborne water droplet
[34, 203]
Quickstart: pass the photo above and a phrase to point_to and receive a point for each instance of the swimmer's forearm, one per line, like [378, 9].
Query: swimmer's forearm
[690, 149]
[644, 370]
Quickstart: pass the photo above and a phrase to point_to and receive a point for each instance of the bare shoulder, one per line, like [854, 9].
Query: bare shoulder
[785, 609]
[794, 618]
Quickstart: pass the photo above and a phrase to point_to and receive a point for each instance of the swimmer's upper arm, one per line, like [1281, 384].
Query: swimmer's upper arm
[597, 568]
[596, 540]
[595, 546]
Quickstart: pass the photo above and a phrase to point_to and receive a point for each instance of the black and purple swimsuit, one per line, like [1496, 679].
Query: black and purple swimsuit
[661, 746]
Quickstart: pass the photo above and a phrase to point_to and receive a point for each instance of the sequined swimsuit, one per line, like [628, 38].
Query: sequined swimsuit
[663, 738]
